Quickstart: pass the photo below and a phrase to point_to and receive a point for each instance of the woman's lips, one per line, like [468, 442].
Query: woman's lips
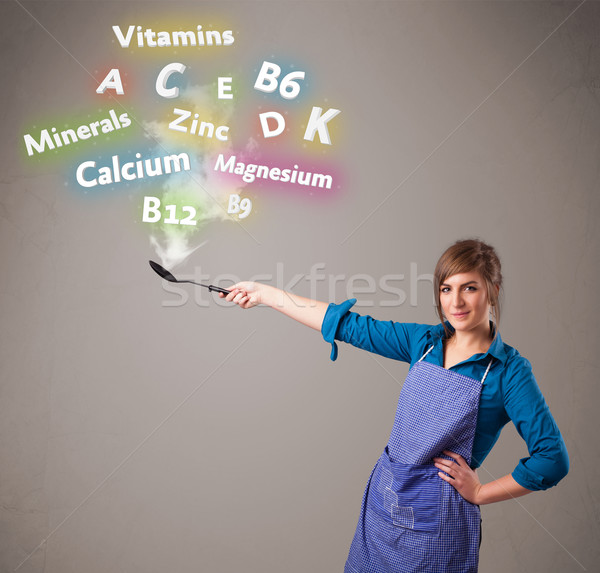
[459, 314]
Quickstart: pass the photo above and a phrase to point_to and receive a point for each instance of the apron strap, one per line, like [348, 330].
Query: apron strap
[430, 349]
[486, 371]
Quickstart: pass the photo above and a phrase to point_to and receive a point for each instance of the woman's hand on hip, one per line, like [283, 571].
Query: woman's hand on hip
[458, 473]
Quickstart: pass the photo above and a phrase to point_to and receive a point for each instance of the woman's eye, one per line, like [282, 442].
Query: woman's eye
[444, 289]
[471, 288]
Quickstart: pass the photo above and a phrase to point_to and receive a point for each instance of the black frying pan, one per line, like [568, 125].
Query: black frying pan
[165, 274]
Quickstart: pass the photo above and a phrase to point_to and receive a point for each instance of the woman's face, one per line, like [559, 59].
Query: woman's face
[465, 303]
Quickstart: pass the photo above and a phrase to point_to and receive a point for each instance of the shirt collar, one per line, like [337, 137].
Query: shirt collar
[436, 334]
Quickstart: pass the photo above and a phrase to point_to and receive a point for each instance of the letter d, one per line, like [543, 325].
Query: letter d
[264, 122]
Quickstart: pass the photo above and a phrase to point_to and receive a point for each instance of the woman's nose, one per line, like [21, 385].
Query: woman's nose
[457, 299]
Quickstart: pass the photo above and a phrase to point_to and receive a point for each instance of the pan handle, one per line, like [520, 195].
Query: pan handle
[218, 289]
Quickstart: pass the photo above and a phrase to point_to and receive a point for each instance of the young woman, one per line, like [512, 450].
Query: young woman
[420, 509]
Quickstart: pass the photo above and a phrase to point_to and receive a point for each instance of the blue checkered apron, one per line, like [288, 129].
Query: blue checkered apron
[411, 520]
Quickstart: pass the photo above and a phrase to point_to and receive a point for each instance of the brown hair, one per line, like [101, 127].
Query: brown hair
[466, 256]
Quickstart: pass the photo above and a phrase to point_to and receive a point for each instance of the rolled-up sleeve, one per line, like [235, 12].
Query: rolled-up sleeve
[386, 338]
[331, 321]
[548, 461]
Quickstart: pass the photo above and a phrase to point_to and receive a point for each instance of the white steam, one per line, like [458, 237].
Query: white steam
[198, 187]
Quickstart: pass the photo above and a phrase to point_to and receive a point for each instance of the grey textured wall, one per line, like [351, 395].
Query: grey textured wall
[140, 434]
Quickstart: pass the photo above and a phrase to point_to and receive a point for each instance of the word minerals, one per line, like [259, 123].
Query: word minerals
[68, 136]
[131, 170]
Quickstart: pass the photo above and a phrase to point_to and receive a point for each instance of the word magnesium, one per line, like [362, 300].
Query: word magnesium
[250, 172]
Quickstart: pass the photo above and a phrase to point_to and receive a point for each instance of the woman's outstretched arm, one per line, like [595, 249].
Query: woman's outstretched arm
[306, 311]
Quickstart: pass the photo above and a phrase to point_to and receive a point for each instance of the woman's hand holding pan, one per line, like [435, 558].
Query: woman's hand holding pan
[245, 294]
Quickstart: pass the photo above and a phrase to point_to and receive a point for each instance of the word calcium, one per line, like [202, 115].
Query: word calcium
[131, 170]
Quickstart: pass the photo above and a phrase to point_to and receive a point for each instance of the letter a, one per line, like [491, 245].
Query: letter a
[112, 81]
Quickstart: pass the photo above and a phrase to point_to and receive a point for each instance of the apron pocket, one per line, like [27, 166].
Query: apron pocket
[411, 496]
[403, 516]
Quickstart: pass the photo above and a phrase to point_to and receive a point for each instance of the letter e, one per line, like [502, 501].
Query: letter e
[224, 88]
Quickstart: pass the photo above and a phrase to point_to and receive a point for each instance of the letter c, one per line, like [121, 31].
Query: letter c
[164, 75]
[221, 132]
[84, 182]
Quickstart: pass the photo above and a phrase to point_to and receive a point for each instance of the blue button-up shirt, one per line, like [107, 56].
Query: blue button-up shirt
[510, 391]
